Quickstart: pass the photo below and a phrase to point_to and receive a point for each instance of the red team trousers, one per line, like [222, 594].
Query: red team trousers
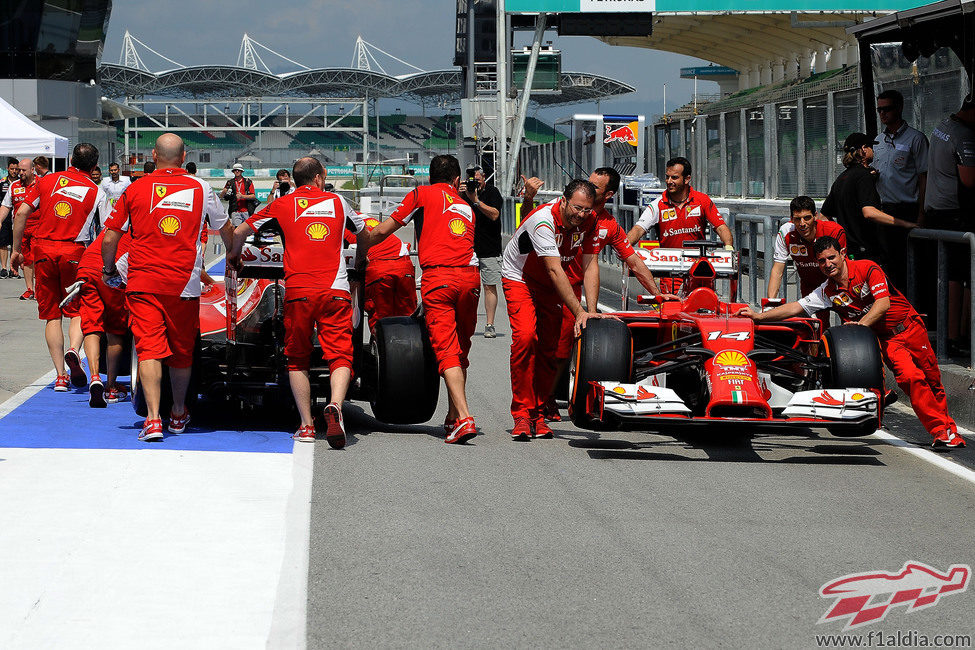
[390, 289]
[55, 267]
[450, 297]
[535, 314]
[330, 313]
[910, 357]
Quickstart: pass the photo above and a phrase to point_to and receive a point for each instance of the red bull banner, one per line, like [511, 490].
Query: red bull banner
[617, 130]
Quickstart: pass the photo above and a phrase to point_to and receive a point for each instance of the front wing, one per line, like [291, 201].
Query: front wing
[653, 407]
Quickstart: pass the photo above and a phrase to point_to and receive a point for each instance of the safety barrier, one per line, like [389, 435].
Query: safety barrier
[942, 238]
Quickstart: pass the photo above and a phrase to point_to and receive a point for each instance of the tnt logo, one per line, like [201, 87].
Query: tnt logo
[865, 598]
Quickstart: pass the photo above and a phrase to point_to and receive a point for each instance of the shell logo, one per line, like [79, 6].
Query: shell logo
[731, 358]
[317, 231]
[169, 225]
[62, 209]
[856, 397]
[458, 227]
[160, 191]
[302, 203]
[619, 390]
[371, 223]
[63, 181]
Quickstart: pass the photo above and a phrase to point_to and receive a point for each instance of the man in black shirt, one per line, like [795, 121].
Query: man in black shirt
[487, 203]
[853, 201]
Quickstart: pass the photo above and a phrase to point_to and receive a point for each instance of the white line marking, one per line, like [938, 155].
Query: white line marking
[288, 622]
[25, 394]
[926, 455]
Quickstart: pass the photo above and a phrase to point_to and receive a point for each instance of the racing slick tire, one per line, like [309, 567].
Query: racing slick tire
[604, 352]
[407, 385]
[854, 360]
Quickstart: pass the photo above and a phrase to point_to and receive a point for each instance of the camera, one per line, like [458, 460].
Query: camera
[471, 179]
[284, 187]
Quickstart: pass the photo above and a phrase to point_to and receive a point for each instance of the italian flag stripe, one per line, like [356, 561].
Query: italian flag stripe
[737, 397]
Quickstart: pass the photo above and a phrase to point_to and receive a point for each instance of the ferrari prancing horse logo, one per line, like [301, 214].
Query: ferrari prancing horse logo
[160, 191]
[302, 203]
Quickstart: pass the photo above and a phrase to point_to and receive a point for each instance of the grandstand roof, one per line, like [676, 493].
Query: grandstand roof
[423, 87]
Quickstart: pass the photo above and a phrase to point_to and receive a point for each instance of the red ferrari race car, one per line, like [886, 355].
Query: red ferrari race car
[240, 354]
[691, 363]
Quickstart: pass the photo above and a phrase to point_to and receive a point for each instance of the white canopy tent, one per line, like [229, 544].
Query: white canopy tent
[18, 135]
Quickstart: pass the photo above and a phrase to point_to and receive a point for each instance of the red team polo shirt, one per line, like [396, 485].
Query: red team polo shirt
[313, 223]
[66, 202]
[681, 222]
[788, 243]
[608, 231]
[868, 283]
[165, 211]
[444, 224]
[542, 234]
[15, 198]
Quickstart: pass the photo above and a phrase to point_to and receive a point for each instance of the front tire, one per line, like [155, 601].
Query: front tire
[604, 352]
[855, 360]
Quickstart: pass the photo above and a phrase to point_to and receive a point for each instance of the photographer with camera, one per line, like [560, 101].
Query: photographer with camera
[241, 196]
[282, 186]
[487, 202]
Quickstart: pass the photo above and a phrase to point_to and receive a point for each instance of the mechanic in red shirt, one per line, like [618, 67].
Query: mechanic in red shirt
[859, 292]
[103, 312]
[450, 286]
[313, 223]
[606, 180]
[66, 203]
[164, 212]
[795, 239]
[681, 212]
[390, 279]
[536, 287]
[11, 202]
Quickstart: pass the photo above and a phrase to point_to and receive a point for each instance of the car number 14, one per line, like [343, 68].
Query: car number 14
[738, 336]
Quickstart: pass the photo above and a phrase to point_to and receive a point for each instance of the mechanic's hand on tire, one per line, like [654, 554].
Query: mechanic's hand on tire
[581, 319]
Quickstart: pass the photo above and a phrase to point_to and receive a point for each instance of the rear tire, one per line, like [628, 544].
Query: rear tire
[406, 382]
[855, 361]
[603, 353]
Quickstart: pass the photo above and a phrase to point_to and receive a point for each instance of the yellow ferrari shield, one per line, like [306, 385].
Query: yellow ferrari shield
[449, 198]
[302, 203]
[160, 191]
[63, 181]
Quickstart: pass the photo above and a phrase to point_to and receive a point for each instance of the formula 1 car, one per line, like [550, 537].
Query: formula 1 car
[690, 363]
[240, 359]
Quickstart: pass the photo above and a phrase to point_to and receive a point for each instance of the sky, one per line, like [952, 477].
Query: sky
[323, 34]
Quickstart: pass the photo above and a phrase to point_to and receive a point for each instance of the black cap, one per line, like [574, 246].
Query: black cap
[856, 140]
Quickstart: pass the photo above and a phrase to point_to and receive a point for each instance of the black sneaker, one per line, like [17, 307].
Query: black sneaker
[3, 274]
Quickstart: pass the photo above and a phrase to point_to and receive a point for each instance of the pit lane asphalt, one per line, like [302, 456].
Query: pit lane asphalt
[615, 539]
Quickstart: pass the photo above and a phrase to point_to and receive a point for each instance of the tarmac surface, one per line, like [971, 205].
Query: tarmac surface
[615, 539]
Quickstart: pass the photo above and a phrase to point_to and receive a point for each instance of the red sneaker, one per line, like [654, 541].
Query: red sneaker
[61, 384]
[522, 429]
[541, 428]
[151, 430]
[305, 433]
[177, 423]
[116, 394]
[73, 361]
[464, 429]
[27, 295]
[96, 393]
[448, 425]
[551, 411]
[949, 439]
[335, 426]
